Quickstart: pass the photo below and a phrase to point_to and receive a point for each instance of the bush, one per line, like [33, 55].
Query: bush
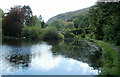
[52, 34]
[82, 35]
[117, 39]
[77, 37]
[61, 36]
[68, 34]
[58, 24]
[77, 31]
[25, 32]
[33, 32]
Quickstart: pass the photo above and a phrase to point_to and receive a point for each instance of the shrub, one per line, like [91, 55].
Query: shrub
[77, 31]
[58, 24]
[61, 36]
[52, 34]
[117, 39]
[77, 37]
[25, 32]
[33, 32]
[82, 35]
[68, 34]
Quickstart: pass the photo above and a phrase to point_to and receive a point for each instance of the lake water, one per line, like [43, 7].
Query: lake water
[69, 57]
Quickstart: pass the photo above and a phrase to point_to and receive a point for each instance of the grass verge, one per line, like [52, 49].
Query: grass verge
[110, 60]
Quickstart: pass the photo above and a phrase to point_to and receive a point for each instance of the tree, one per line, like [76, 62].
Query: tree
[69, 25]
[58, 24]
[97, 22]
[27, 15]
[13, 22]
[104, 21]
[42, 22]
[52, 34]
[34, 21]
[80, 21]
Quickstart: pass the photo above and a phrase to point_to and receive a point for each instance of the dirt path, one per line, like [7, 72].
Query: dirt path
[113, 47]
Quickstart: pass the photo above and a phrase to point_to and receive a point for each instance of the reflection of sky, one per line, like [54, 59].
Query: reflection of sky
[44, 62]
[4, 65]
[43, 58]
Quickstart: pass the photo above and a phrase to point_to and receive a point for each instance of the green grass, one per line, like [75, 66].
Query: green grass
[110, 60]
[112, 43]
[119, 47]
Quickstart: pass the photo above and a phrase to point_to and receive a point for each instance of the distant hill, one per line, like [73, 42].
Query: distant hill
[66, 16]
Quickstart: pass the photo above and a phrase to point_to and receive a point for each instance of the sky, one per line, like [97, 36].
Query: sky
[48, 8]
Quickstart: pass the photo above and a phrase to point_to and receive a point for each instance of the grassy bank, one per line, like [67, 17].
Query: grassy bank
[110, 60]
[112, 43]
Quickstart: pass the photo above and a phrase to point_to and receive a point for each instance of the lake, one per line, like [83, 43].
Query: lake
[65, 57]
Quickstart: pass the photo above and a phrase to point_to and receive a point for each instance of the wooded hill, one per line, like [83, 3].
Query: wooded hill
[68, 15]
[100, 21]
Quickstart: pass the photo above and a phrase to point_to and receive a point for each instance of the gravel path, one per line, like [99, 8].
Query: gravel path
[113, 47]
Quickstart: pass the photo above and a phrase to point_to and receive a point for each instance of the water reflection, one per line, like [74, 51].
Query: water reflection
[4, 64]
[41, 58]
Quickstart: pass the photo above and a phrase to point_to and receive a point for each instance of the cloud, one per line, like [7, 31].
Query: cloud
[83, 68]
[43, 59]
[5, 66]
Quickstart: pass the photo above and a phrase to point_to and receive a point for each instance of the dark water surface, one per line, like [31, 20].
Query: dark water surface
[69, 57]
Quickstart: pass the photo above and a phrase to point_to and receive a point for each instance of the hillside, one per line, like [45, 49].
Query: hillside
[66, 16]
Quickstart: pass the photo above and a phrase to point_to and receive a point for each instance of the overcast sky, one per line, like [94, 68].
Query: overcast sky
[48, 8]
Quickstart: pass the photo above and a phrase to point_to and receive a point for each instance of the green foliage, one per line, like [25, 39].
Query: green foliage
[83, 35]
[104, 21]
[80, 21]
[77, 31]
[61, 36]
[69, 25]
[77, 37]
[33, 32]
[110, 59]
[52, 34]
[43, 25]
[34, 21]
[96, 21]
[58, 24]
[27, 15]
[68, 34]
[1, 14]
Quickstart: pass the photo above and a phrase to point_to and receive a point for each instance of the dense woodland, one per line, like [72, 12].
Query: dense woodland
[101, 22]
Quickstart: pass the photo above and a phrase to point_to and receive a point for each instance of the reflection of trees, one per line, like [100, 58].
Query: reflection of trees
[18, 57]
[96, 59]
[17, 61]
[79, 50]
[19, 53]
[11, 42]
[19, 42]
